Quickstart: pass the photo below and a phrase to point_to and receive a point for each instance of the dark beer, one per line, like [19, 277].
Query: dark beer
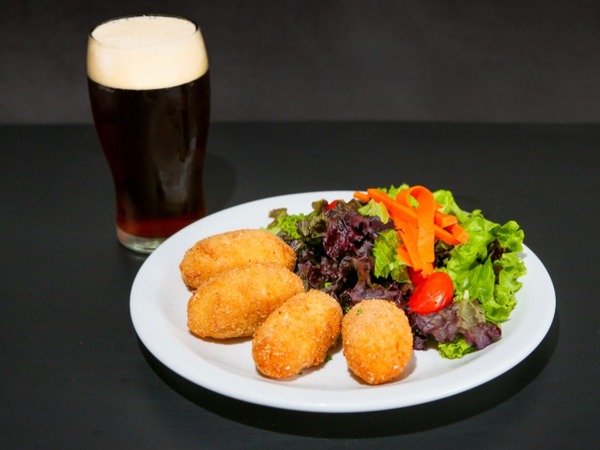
[149, 89]
[154, 142]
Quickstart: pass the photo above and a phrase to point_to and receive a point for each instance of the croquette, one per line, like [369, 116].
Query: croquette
[235, 302]
[377, 340]
[297, 335]
[218, 253]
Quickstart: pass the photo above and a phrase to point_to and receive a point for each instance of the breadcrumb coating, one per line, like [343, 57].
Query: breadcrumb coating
[377, 339]
[297, 335]
[235, 302]
[218, 253]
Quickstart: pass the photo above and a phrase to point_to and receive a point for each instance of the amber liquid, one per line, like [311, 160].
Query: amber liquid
[155, 143]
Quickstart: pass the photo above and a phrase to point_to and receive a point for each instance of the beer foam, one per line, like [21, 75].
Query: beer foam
[146, 52]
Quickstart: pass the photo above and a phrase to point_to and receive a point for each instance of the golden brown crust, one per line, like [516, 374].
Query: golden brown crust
[297, 335]
[218, 253]
[377, 339]
[235, 302]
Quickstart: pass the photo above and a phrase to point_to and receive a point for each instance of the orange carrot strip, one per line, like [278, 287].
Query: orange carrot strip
[403, 255]
[427, 268]
[361, 196]
[444, 220]
[459, 233]
[403, 197]
[425, 215]
[409, 236]
[446, 236]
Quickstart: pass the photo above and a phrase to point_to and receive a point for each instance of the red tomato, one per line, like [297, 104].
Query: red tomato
[433, 294]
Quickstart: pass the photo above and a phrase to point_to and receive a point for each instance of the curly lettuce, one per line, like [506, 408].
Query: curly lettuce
[387, 262]
[488, 266]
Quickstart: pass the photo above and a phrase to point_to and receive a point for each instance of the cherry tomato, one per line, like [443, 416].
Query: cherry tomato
[431, 295]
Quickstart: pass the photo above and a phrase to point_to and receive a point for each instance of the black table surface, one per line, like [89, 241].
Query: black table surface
[74, 374]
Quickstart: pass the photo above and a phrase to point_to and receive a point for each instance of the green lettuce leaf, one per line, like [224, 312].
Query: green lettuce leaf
[309, 226]
[510, 236]
[456, 349]
[445, 198]
[494, 282]
[393, 190]
[375, 209]
[284, 223]
[387, 262]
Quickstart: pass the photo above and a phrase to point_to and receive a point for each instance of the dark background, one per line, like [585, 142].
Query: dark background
[409, 60]
[72, 371]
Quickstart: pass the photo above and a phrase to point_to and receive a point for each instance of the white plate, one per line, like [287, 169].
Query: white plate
[158, 311]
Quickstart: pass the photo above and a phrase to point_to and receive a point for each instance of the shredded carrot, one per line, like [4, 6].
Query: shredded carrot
[403, 255]
[409, 236]
[419, 223]
[361, 196]
[459, 233]
[446, 236]
[425, 215]
[407, 213]
[444, 220]
[403, 197]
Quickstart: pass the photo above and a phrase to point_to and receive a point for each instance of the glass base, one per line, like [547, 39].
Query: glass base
[139, 244]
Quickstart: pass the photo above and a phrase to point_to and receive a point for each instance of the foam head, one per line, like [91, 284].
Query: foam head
[146, 52]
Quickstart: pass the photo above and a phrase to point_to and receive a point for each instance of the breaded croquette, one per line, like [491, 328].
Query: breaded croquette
[224, 251]
[234, 303]
[297, 335]
[377, 339]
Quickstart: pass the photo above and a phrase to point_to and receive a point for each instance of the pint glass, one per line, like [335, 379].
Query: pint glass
[149, 90]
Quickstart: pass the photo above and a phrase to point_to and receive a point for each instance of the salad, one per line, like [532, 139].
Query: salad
[454, 273]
